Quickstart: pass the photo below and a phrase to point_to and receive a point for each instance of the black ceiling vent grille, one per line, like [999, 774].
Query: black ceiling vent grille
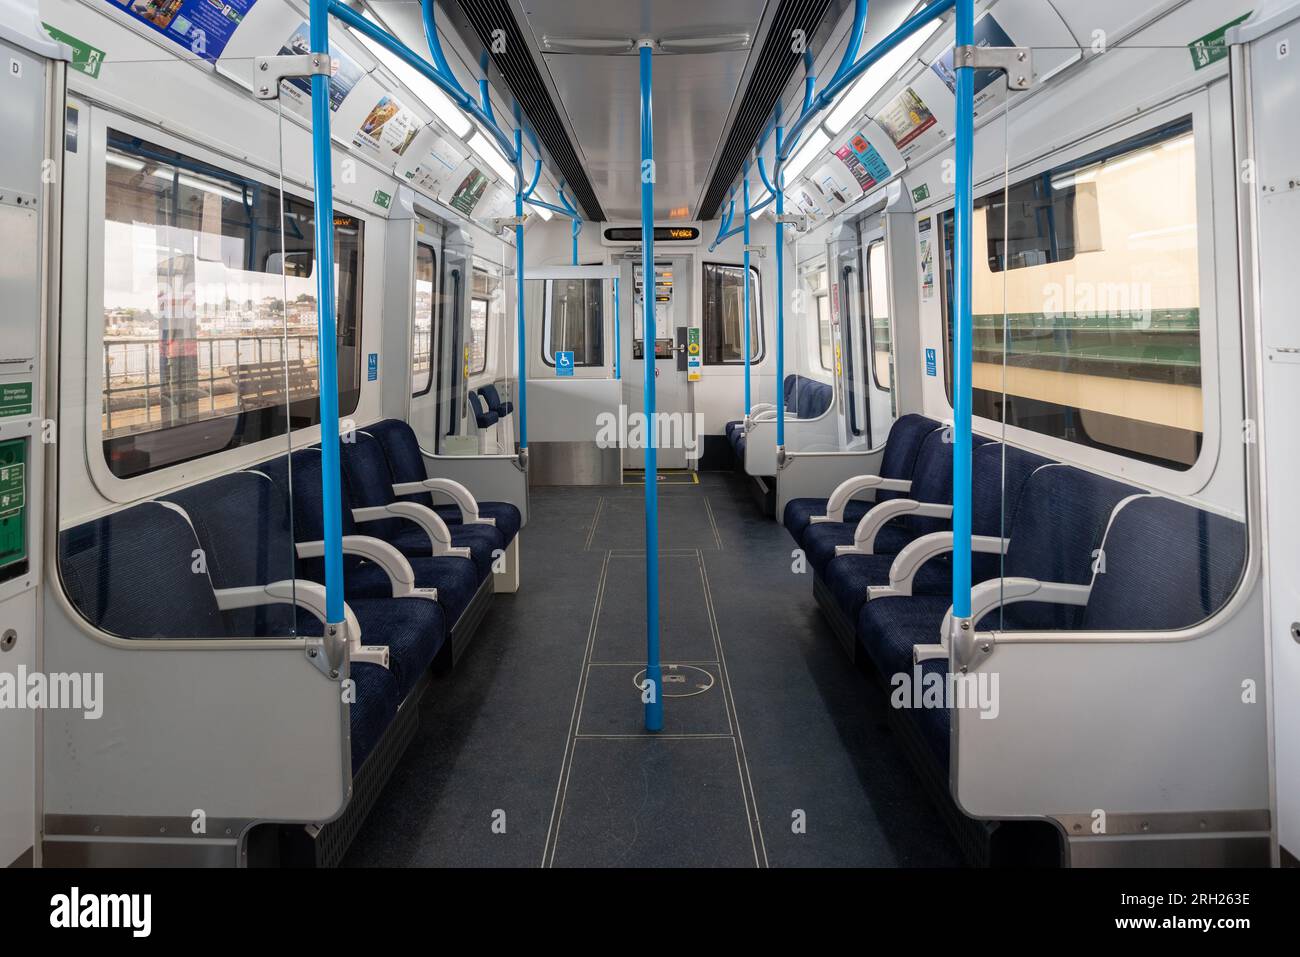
[520, 72]
[776, 61]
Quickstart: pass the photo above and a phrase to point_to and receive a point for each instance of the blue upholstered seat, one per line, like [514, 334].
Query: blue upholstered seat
[483, 416]
[378, 697]
[1168, 565]
[370, 484]
[455, 578]
[494, 403]
[129, 574]
[898, 462]
[407, 465]
[242, 523]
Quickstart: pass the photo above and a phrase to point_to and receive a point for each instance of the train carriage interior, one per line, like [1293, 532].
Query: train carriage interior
[765, 433]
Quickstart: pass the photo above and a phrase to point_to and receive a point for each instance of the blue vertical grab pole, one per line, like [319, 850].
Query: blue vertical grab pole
[520, 331]
[779, 187]
[327, 336]
[654, 706]
[745, 280]
[961, 388]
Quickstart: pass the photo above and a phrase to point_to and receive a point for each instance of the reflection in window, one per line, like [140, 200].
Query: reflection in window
[478, 323]
[1102, 329]
[210, 309]
[487, 307]
[724, 315]
[422, 321]
[574, 321]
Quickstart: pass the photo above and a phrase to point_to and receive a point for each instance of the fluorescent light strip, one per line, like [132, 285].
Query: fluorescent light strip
[419, 84]
[856, 97]
[485, 148]
[817, 140]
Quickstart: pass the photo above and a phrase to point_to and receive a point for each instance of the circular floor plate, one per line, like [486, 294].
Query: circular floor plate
[680, 681]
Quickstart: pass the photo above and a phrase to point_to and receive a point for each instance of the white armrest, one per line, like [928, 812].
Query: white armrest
[845, 491]
[864, 536]
[996, 592]
[309, 596]
[384, 555]
[902, 573]
[429, 520]
[458, 493]
[758, 407]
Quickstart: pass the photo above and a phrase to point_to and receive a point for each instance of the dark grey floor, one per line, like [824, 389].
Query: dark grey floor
[533, 752]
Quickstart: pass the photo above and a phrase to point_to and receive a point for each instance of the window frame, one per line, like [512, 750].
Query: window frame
[487, 325]
[1192, 117]
[104, 124]
[433, 317]
[755, 316]
[548, 302]
[870, 316]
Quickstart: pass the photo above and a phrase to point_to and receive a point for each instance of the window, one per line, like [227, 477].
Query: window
[210, 309]
[1101, 343]
[478, 324]
[878, 313]
[825, 334]
[574, 321]
[724, 315]
[422, 321]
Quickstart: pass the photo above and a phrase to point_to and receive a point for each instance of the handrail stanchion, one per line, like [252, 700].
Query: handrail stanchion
[780, 302]
[618, 348]
[962, 626]
[744, 191]
[521, 331]
[327, 339]
[653, 689]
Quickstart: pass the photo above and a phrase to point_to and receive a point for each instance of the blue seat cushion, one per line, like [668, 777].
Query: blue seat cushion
[481, 540]
[412, 628]
[374, 710]
[799, 513]
[733, 425]
[821, 539]
[506, 516]
[455, 579]
[889, 628]
[849, 576]
[812, 398]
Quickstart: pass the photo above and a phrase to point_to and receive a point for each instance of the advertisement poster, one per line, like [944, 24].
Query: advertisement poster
[297, 90]
[469, 190]
[202, 26]
[859, 172]
[837, 188]
[905, 118]
[926, 258]
[988, 33]
[388, 125]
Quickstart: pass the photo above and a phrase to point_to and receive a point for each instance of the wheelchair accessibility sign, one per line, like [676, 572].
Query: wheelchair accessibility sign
[564, 363]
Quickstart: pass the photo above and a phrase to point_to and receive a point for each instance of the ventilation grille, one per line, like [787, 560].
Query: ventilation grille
[520, 72]
[776, 61]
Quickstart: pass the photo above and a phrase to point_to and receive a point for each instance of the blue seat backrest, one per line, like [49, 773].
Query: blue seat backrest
[1059, 524]
[489, 392]
[901, 448]
[932, 481]
[1166, 565]
[788, 389]
[812, 398]
[131, 574]
[370, 482]
[404, 456]
[999, 473]
[242, 523]
[304, 466]
[483, 417]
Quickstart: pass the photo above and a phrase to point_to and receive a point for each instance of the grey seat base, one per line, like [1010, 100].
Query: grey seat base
[466, 627]
[845, 630]
[326, 845]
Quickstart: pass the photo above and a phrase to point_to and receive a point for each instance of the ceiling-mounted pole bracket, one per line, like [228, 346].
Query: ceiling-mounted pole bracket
[506, 222]
[268, 71]
[1016, 62]
[797, 220]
